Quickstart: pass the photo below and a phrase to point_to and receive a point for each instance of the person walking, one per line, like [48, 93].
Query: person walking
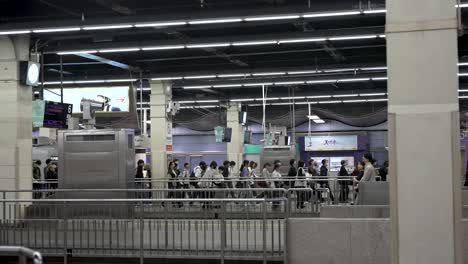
[300, 182]
[292, 173]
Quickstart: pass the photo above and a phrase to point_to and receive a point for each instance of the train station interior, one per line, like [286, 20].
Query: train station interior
[231, 131]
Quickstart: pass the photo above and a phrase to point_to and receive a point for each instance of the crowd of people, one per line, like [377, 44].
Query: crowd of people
[314, 176]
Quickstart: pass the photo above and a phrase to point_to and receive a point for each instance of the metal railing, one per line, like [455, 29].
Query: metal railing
[138, 228]
[21, 254]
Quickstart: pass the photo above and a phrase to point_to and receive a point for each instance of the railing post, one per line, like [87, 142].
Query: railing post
[223, 231]
[264, 232]
[4, 207]
[285, 236]
[141, 233]
[65, 231]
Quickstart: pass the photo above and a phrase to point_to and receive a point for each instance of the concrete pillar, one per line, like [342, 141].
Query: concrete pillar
[235, 148]
[424, 131]
[15, 117]
[161, 128]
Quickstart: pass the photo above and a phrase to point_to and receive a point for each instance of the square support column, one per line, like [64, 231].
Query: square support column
[161, 128]
[424, 174]
[235, 147]
[15, 118]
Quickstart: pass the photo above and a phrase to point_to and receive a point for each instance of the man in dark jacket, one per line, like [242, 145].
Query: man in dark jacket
[344, 183]
[324, 174]
[292, 173]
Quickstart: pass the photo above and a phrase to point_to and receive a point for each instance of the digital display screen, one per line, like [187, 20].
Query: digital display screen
[55, 114]
[115, 99]
[330, 143]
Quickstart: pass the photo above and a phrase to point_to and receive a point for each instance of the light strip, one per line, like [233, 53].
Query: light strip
[313, 117]
[263, 18]
[208, 45]
[243, 100]
[200, 77]
[318, 121]
[354, 80]
[51, 30]
[233, 75]
[77, 52]
[355, 101]
[119, 50]
[166, 78]
[107, 27]
[374, 69]
[302, 72]
[377, 100]
[197, 87]
[15, 32]
[376, 11]
[329, 102]
[302, 40]
[463, 64]
[373, 94]
[289, 83]
[379, 79]
[340, 70]
[164, 47]
[162, 24]
[227, 85]
[214, 21]
[252, 43]
[331, 14]
[319, 96]
[268, 73]
[353, 37]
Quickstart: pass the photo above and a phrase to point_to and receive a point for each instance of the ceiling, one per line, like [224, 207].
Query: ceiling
[263, 49]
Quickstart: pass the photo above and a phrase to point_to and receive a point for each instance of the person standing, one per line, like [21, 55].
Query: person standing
[292, 173]
[173, 181]
[344, 182]
[324, 174]
[185, 180]
[369, 170]
[383, 171]
[300, 182]
[37, 179]
[244, 174]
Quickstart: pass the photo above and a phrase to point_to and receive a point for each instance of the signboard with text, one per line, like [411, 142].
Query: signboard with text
[330, 143]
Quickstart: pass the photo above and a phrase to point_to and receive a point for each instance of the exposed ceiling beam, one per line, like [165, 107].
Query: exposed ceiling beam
[59, 8]
[109, 62]
[123, 10]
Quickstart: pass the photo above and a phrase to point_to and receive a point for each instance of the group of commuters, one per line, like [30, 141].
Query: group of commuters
[46, 178]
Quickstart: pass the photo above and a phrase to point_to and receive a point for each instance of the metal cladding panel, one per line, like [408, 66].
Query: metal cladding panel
[282, 153]
[95, 159]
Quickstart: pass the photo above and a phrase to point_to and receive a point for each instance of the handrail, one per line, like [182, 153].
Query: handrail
[146, 200]
[21, 252]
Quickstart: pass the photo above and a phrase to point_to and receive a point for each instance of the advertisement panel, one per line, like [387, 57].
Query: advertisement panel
[330, 143]
[115, 99]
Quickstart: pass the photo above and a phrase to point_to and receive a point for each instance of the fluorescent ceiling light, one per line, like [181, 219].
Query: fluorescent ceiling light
[377, 100]
[166, 78]
[89, 81]
[164, 47]
[263, 18]
[374, 69]
[208, 45]
[227, 85]
[339, 70]
[207, 101]
[107, 27]
[459, 64]
[355, 101]
[162, 24]
[200, 77]
[463, 97]
[285, 41]
[373, 94]
[353, 37]
[463, 74]
[120, 80]
[329, 102]
[289, 83]
[313, 117]
[15, 32]
[292, 98]
[379, 79]
[257, 84]
[463, 91]
[47, 30]
[233, 75]
[345, 95]
[462, 5]
[354, 80]
[77, 52]
[252, 43]
[281, 104]
[214, 21]
[186, 102]
[321, 81]
[119, 50]
[318, 121]
[268, 73]
[197, 87]
[331, 14]
[382, 36]
[302, 72]
[318, 96]
[242, 100]
[376, 11]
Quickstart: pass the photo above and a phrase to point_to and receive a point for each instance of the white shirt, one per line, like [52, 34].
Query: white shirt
[275, 175]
